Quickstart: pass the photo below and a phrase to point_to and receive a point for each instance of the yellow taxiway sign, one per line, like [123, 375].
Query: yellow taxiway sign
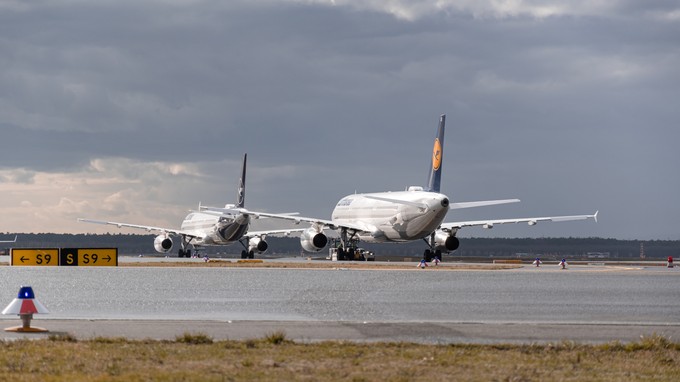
[89, 257]
[83, 257]
[35, 256]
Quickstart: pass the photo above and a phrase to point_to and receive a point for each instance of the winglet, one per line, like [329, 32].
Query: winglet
[595, 215]
[434, 179]
[241, 196]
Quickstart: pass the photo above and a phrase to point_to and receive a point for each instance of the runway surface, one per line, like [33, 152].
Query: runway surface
[584, 303]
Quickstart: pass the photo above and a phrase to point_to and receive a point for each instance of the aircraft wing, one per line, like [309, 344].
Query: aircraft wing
[531, 221]
[294, 218]
[217, 211]
[10, 241]
[144, 227]
[284, 232]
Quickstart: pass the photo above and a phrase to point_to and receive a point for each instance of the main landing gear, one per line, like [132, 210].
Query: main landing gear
[348, 248]
[184, 250]
[247, 254]
[429, 255]
[450, 243]
[354, 254]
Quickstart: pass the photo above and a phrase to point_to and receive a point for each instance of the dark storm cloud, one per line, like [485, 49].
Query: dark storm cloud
[571, 112]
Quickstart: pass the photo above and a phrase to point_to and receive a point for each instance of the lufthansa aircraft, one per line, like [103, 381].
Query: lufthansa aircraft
[10, 241]
[204, 228]
[402, 216]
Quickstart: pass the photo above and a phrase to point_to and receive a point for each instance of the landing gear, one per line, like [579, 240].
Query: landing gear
[431, 253]
[247, 254]
[435, 255]
[348, 246]
[351, 254]
[341, 254]
[184, 250]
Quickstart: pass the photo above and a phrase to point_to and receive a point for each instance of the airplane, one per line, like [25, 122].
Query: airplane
[401, 216]
[206, 228]
[10, 241]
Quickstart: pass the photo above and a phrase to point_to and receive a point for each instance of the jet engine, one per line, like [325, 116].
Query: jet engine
[312, 240]
[162, 243]
[257, 245]
[444, 241]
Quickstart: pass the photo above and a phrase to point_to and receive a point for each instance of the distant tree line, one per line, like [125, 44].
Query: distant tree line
[546, 247]
[132, 244]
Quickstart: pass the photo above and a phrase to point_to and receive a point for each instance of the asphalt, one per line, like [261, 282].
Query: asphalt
[371, 331]
[314, 331]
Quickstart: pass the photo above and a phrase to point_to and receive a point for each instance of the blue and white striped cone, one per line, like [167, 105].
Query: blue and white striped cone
[25, 305]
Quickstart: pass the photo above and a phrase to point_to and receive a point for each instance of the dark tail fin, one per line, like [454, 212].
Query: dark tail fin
[434, 180]
[241, 196]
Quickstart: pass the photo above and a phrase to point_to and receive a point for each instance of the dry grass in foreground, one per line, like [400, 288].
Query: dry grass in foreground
[196, 357]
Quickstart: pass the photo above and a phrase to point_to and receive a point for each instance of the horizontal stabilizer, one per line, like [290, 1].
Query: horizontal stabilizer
[455, 206]
[398, 201]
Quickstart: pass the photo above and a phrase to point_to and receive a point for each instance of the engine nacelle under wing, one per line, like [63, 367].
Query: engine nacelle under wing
[445, 242]
[312, 240]
[257, 245]
[162, 243]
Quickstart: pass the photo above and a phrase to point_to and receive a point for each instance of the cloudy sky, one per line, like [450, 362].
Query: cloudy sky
[135, 111]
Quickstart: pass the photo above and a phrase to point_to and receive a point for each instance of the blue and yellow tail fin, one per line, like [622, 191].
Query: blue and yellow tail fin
[434, 180]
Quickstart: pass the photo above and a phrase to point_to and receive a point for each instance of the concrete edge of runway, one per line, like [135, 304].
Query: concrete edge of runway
[315, 331]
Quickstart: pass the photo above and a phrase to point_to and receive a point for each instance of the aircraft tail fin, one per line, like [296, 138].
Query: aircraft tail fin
[241, 195]
[434, 179]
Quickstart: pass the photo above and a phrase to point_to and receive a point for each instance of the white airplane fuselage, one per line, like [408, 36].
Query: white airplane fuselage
[392, 216]
[215, 230]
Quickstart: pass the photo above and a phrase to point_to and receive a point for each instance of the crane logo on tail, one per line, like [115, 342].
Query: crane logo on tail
[436, 155]
[241, 194]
